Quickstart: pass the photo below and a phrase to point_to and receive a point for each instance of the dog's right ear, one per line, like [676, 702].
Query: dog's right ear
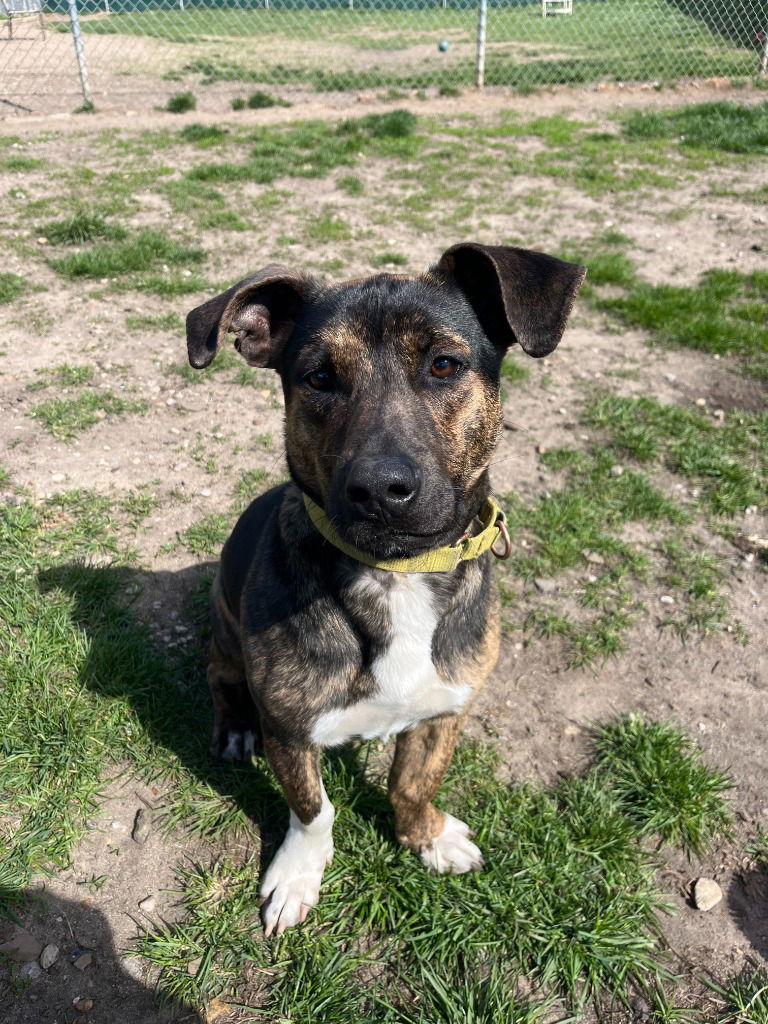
[259, 310]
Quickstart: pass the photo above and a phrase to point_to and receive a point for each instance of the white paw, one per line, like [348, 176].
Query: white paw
[240, 746]
[452, 852]
[291, 885]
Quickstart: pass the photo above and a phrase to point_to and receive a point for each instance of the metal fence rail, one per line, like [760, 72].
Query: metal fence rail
[140, 52]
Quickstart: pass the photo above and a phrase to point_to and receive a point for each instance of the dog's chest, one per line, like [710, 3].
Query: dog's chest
[408, 687]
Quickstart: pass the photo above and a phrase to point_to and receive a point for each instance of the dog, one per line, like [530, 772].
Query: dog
[357, 600]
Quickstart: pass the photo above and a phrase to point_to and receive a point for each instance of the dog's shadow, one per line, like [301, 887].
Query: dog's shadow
[164, 683]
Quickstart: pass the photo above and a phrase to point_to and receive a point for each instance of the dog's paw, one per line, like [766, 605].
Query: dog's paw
[231, 743]
[452, 852]
[291, 885]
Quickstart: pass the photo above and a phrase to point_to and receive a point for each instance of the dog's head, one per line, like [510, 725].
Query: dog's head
[392, 382]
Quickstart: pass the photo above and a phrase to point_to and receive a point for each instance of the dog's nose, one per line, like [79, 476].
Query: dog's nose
[382, 487]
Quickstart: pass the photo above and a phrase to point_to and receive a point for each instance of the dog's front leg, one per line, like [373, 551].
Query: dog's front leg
[291, 884]
[422, 756]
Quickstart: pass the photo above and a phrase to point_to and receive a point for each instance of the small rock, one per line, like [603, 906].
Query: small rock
[594, 557]
[30, 971]
[544, 586]
[58, 478]
[719, 414]
[701, 402]
[142, 826]
[666, 599]
[83, 961]
[617, 470]
[21, 947]
[706, 893]
[147, 905]
[82, 1005]
[194, 966]
[49, 956]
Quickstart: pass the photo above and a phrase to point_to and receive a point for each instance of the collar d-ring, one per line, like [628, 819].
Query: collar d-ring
[501, 523]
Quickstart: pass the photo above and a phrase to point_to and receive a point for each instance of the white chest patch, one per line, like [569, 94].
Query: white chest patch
[408, 688]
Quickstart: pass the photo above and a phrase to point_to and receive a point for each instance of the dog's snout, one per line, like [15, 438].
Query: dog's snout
[382, 487]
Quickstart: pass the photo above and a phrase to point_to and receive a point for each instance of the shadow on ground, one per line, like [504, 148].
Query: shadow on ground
[89, 979]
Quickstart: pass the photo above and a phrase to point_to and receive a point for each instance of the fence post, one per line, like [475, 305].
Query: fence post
[80, 53]
[482, 17]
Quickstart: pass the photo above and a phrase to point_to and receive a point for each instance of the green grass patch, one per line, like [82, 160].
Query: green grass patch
[11, 287]
[744, 998]
[181, 103]
[170, 322]
[724, 125]
[204, 135]
[207, 536]
[663, 783]
[727, 460]
[312, 149]
[723, 314]
[18, 164]
[64, 418]
[81, 227]
[145, 251]
[65, 376]
[328, 226]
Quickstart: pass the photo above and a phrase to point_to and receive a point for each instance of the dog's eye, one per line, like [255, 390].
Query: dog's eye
[444, 366]
[320, 380]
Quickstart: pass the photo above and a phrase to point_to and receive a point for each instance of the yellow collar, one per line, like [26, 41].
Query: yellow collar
[443, 559]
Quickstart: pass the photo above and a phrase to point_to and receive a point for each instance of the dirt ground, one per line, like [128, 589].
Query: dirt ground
[535, 708]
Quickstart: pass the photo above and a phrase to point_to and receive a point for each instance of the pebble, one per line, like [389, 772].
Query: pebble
[617, 470]
[83, 961]
[194, 966]
[666, 599]
[21, 947]
[142, 826]
[58, 478]
[49, 956]
[82, 1005]
[544, 586]
[147, 905]
[594, 557]
[706, 893]
[30, 971]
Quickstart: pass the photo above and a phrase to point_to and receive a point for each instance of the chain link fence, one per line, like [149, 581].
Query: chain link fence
[64, 54]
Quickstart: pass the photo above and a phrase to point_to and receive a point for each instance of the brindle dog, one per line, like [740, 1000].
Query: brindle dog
[391, 388]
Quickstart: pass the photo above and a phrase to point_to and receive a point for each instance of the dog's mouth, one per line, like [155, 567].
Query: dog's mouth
[385, 540]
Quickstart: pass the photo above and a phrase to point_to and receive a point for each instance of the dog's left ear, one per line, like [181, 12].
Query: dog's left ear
[259, 310]
[517, 295]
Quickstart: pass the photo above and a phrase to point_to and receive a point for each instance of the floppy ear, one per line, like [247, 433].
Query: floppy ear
[259, 310]
[517, 295]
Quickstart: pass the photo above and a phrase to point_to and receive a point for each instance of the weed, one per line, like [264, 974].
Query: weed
[449, 90]
[513, 370]
[397, 124]
[181, 103]
[238, 103]
[11, 287]
[80, 227]
[250, 485]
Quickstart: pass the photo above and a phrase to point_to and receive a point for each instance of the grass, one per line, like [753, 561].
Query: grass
[311, 149]
[65, 418]
[80, 227]
[144, 251]
[663, 782]
[181, 103]
[744, 998]
[723, 314]
[65, 375]
[728, 461]
[723, 125]
[169, 322]
[11, 287]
